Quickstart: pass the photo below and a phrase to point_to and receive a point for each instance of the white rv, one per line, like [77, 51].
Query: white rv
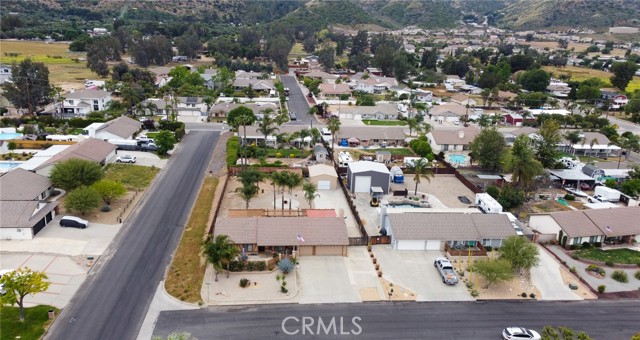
[488, 204]
[344, 158]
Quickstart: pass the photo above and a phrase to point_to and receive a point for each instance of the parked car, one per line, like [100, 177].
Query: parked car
[445, 268]
[149, 147]
[596, 198]
[2, 273]
[292, 116]
[73, 222]
[126, 159]
[144, 139]
[513, 333]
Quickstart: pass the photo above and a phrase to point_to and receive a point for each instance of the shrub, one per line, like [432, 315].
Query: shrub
[620, 276]
[261, 266]
[601, 288]
[474, 293]
[575, 257]
[610, 263]
[586, 245]
[236, 266]
[637, 274]
[105, 208]
[569, 197]
[488, 248]
[533, 296]
[244, 282]
[286, 265]
[251, 266]
[596, 269]
[573, 269]
[233, 145]
[524, 295]
[469, 284]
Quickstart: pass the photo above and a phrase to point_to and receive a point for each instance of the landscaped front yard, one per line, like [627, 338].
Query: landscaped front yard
[134, 177]
[36, 319]
[621, 256]
[383, 122]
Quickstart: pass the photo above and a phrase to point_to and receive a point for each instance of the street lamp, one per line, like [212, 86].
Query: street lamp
[208, 284]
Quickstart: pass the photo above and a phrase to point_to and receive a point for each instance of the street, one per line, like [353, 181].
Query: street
[625, 125]
[297, 101]
[113, 301]
[602, 320]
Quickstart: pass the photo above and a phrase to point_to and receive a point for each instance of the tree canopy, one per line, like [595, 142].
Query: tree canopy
[165, 140]
[109, 190]
[535, 80]
[30, 86]
[520, 252]
[488, 147]
[82, 199]
[622, 74]
[75, 172]
[493, 271]
[20, 283]
[234, 120]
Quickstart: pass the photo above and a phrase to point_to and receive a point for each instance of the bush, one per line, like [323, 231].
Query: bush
[596, 269]
[286, 265]
[620, 276]
[524, 295]
[105, 208]
[569, 197]
[251, 266]
[236, 266]
[233, 145]
[244, 282]
[573, 269]
[261, 266]
[586, 245]
[601, 288]
[533, 296]
[637, 274]
[474, 293]
[610, 263]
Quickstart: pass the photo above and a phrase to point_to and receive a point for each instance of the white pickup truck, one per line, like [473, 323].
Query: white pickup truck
[445, 268]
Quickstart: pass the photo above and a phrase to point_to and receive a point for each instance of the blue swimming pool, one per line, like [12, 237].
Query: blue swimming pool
[403, 205]
[6, 166]
[457, 158]
[10, 135]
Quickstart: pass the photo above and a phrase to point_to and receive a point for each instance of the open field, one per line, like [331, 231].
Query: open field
[581, 73]
[134, 177]
[63, 70]
[579, 47]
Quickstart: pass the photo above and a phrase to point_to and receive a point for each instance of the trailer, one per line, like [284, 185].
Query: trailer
[607, 194]
[125, 144]
[488, 204]
[344, 158]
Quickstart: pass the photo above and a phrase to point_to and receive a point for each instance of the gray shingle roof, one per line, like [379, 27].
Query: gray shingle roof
[576, 224]
[371, 132]
[283, 231]
[88, 94]
[90, 149]
[122, 126]
[452, 137]
[22, 185]
[450, 226]
[621, 221]
[20, 214]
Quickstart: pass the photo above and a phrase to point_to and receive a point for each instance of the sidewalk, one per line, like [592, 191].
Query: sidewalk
[612, 285]
[548, 279]
[161, 302]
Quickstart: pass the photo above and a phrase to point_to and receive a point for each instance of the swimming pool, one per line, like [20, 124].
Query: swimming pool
[6, 166]
[404, 205]
[457, 158]
[10, 135]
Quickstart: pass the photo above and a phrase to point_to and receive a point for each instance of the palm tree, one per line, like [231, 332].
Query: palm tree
[293, 181]
[334, 126]
[426, 127]
[493, 96]
[484, 121]
[627, 142]
[219, 251]
[278, 180]
[310, 192]
[248, 192]
[266, 128]
[244, 120]
[208, 100]
[573, 137]
[522, 163]
[421, 170]
[152, 107]
[413, 124]
[304, 133]
[486, 92]
[591, 144]
[139, 109]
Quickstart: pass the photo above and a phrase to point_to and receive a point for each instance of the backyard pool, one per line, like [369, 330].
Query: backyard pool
[457, 158]
[6, 166]
[404, 205]
[10, 135]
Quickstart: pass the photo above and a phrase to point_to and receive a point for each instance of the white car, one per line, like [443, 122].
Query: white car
[514, 333]
[126, 159]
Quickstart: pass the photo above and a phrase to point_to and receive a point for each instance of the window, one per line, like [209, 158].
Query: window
[593, 239]
[95, 102]
[577, 240]
[70, 102]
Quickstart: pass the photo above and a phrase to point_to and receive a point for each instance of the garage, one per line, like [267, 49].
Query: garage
[409, 245]
[363, 184]
[331, 250]
[324, 185]
[433, 245]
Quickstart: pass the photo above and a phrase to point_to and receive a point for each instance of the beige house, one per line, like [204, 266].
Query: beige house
[91, 149]
[323, 176]
[452, 140]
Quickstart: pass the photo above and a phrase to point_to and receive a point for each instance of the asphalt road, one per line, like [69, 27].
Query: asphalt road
[113, 301]
[602, 320]
[624, 125]
[297, 101]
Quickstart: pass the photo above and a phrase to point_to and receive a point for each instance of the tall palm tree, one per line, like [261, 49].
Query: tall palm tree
[248, 192]
[333, 126]
[152, 107]
[304, 133]
[310, 192]
[244, 120]
[522, 163]
[278, 180]
[627, 142]
[484, 121]
[208, 100]
[426, 127]
[421, 169]
[591, 144]
[414, 125]
[266, 128]
[573, 137]
[293, 181]
[219, 251]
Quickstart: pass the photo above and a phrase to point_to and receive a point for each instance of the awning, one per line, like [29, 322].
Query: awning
[353, 140]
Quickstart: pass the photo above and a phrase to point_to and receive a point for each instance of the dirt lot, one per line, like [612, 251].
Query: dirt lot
[264, 200]
[446, 188]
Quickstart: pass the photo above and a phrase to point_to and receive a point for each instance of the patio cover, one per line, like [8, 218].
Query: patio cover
[570, 175]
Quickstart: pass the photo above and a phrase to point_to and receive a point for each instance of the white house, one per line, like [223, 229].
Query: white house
[119, 128]
[85, 101]
[452, 140]
[5, 73]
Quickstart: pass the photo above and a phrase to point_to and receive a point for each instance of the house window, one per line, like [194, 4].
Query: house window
[593, 239]
[95, 102]
[445, 147]
[577, 240]
[70, 102]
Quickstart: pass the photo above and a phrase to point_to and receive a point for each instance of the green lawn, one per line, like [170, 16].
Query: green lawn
[286, 153]
[36, 319]
[383, 122]
[401, 152]
[626, 256]
[132, 176]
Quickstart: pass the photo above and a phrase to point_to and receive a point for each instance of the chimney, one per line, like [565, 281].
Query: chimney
[461, 134]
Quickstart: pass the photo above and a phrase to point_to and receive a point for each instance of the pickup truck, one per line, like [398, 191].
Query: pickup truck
[445, 268]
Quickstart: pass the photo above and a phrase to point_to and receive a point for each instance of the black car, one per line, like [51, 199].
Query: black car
[73, 222]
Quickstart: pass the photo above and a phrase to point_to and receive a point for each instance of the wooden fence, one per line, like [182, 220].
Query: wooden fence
[37, 144]
[234, 170]
[478, 251]
[219, 204]
[451, 170]
[126, 206]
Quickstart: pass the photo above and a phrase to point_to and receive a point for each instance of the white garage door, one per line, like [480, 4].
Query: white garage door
[363, 184]
[433, 245]
[324, 185]
[410, 245]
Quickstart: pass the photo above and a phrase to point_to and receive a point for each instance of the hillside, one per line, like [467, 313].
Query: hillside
[320, 14]
[541, 14]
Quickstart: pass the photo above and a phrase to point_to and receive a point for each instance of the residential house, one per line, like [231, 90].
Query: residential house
[371, 83]
[530, 132]
[24, 210]
[423, 96]
[371, 135]
[323, 176]
[334, 91]
[514, 119]
[309, 236]
[444, 231]
[5, 73]
[262, 86]
[362, 176]
[323, 76]
[601, 145]
[409, 48]
[91, 149]
[463, 99]
[85, 101]
[452, 140]
[119, 128]
[320, 152]
[381, 111]
[221, 109]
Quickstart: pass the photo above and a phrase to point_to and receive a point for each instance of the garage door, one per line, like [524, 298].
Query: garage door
[433, 245]
[363, 184]
[306, 250]
[324, 185]
[410, 245]
[329, 250]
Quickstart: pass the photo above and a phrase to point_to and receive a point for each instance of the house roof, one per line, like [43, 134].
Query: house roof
[322, 169]
[23, 214]
[321, 213]
[371, 132]
[450, 226]
[448, 107]
[320, 148]
[88, 94]
[576, 224]
[22, 185]
[320, 74]
[379, 108]
[334, 89]
[89, 149]
[363, 166]
[122, 126]
[589, 169]
[452, 137]
[283, 231]
[621, 221]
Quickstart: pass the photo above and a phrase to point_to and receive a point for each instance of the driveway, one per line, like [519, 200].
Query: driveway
[547, 278]
[65, 273]
[325, 279]
[334, 199]
[414, 270]
[143, 158]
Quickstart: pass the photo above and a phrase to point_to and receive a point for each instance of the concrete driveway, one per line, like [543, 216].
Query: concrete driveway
[143, 158]
[547, 278]
[325, 279]
[414, 270]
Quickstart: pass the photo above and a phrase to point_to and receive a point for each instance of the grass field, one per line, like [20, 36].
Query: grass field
[186, 273]
[581, 74]
[132, 176]
[626, 256]
[383, 122]
[62, 69]
[36, 319]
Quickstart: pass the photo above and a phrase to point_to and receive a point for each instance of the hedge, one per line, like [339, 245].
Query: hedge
[233, 144]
